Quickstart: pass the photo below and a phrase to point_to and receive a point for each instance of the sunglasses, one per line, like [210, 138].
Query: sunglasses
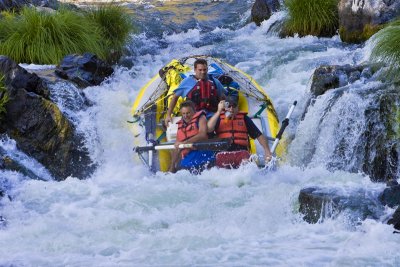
[232, 106]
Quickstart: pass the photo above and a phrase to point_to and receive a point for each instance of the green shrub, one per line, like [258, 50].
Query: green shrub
[3, 98]
[312, 17]
[114, 24]
[45, 38]
[386, 49]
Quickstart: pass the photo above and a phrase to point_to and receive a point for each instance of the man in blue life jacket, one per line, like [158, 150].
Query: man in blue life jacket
[228, 122]
[191, 128]
[201, 89]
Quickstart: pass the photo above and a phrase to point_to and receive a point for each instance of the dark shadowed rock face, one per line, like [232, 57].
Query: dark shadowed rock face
[262, 10]
[359, 19]
[86, 70]
[39, 127]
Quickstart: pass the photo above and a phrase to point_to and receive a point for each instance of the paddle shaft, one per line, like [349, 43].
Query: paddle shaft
[212, 145]
[285, 123]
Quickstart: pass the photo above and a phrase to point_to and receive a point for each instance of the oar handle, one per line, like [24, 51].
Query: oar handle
[166, 147]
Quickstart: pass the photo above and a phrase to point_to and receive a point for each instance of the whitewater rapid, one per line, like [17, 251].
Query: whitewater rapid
[124, 215]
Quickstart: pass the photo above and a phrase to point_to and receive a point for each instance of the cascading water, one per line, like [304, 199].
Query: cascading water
[123, 215]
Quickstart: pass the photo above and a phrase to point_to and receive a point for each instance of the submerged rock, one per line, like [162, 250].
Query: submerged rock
[318, 204]
[391, 196]
[395, 220]
[9, 163]
[86, 70]
[39, 127]
[262, 10]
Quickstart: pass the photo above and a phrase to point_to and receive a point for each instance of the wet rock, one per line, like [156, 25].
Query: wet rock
[375, 152]
[317, 204]
[395, 220]
[84, 70]
[40, 129]
[262, 10]
[331, 77]
[8, 163]
[11, 4]
[358, 20]
[19, 4]
[18, 77]
[391, 196]
[380, 152]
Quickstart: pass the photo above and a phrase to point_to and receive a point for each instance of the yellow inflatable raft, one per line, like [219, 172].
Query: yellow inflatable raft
[150, 107]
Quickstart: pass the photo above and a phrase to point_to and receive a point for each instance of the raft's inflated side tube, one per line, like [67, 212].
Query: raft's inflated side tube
[172, 74]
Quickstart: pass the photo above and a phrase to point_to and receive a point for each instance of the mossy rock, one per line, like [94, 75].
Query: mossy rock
[39, 127]
[358, 36]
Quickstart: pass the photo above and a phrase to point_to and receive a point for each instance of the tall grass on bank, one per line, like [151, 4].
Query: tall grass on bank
[3, 97]
[386, 49]
[45, 38]
[114, 24]
[312, 17]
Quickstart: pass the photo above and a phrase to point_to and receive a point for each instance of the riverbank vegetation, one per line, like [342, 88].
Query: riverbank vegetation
[33, 36]
[312, 17]
[386, 49]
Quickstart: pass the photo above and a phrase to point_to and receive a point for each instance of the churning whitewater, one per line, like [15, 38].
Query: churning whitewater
[124, 215]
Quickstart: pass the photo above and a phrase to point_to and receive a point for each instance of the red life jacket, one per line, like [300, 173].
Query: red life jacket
[204, 95]
[234, 128]
[188, 130]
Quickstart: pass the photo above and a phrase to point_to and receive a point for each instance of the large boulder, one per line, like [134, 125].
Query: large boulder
[84, 70]
[262, 10]
[360, 19]
[376, 149]
[334, 76]
[39, 127]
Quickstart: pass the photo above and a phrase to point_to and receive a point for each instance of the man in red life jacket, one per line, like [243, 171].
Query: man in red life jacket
[191, 128]
[228, 122]
[204, 92]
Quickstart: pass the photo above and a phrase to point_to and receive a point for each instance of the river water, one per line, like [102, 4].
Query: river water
[123, 215]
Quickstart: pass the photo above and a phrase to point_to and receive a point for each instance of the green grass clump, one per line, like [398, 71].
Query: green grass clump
[114, 24]
[3, 98]
[386, 49]
[45, 38]
[312, 17]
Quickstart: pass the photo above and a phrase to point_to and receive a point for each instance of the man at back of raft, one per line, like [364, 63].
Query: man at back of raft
[204, 92]
[230, 123]
[191, 128]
